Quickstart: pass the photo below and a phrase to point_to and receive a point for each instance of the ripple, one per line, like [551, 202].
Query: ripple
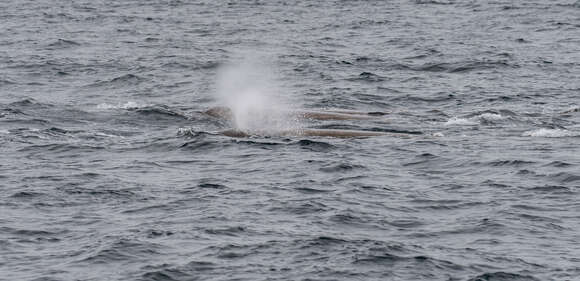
[369, 77]
[169, 274]
[185, 272]
[121, 250]
[4, 82]
[159, 111]
[27, 195]
[341, 167]
[63, 44]
[29, 103]
[516, 163]
[503, 276]
[317, 146]
[125, 80]
[229, 231]
[461, 67]
[64, 148]
[564, 177]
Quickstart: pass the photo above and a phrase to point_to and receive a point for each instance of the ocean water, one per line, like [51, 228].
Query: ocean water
[110, 170]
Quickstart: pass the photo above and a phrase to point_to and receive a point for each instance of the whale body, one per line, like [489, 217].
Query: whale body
[223, 112]
[312, 133]
[226, 113]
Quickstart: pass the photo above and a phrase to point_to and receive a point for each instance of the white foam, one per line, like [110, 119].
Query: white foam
[490, 117]
[551, 133]
[127, 105]
[4, 132]
[183, 131]
[460, 121]
[475, 120]
[108, 135]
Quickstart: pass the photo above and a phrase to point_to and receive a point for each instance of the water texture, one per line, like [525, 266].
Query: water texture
[110, 171]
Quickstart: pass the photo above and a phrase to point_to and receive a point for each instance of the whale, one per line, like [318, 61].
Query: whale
[333, 133]
[225, 113]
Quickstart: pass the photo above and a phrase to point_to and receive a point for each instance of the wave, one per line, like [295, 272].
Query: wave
[28, 102]
[226, 231]
[559, 164]
[127, 79]
[160, 110]
[564, 177]
[201, 145]
[486, 118]
[551, 133]
[11, 111]
[121, 250]
[212, 186]
[63, 44]
[433, 2]
[437, 97]
[189, 271]
[552, 189]
[146, 109]
[460, 121]
[317, 146]
[341, 168]
[461, 67]
[4, 82]
[127, 105]
[120, 81]
[443, 67]
[503, 276]
[369, 77]
[516, 163]
[62, 148]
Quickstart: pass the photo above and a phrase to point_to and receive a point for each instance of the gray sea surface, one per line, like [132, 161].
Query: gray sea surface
[110, 170]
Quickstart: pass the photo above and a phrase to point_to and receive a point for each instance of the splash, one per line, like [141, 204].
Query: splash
[248, 88]
[475, 120]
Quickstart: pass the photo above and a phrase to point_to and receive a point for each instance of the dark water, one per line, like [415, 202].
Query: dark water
[109, 171]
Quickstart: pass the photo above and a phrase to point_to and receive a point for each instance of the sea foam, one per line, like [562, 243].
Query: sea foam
[127, 105]
[475, 120]
[551, 133]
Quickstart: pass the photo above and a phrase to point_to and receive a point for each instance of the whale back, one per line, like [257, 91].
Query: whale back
[313, 133]
[220, 112]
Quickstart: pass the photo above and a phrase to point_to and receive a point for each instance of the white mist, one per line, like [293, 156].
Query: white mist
[248, 88]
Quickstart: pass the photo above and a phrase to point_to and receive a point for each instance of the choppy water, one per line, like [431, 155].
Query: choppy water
[109, 171]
